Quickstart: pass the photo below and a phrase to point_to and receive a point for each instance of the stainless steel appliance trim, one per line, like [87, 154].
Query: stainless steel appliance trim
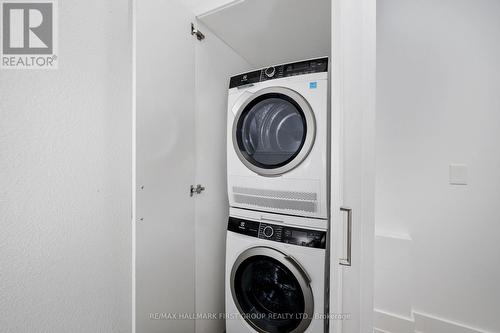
[308, 142]
[297, 271]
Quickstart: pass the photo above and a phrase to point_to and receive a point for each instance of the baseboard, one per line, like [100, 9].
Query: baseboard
[385, 322]
[376, 330]
[392, 323]
[432, 324]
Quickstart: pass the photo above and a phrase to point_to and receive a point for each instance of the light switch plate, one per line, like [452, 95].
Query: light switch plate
[458, 174]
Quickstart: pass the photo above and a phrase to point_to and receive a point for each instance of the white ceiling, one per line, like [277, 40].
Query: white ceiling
[203, 6]
[267, 32]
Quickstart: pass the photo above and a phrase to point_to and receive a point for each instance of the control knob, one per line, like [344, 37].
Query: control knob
[270, 71]
[268, 231]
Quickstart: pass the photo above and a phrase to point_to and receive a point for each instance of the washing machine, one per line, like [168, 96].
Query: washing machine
[277, 139]
[275, 274]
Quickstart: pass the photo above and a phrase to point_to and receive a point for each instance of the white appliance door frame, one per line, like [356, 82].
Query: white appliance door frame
[301, 106]
[291, 266]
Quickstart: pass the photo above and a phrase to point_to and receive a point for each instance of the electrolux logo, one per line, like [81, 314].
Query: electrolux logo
[29, 31]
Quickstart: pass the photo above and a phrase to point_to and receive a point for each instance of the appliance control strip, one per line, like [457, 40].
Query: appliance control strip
[278, 233]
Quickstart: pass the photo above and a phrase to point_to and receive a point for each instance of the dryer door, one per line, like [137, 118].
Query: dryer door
[272, 291]
[273, 131]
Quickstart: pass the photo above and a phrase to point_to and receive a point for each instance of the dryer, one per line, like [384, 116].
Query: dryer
[277, 139]
[275, 274]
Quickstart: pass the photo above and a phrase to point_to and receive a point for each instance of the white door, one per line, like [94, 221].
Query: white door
[353, 123]
[165, 166]
[215, 63]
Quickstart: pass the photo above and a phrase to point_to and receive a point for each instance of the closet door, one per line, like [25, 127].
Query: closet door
[353, 164]
[165, 166]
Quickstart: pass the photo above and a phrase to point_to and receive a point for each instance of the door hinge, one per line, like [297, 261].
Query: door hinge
[195, 32]
[196, 189]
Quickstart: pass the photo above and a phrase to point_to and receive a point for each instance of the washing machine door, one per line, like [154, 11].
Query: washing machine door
[273, 131]
[272, 291]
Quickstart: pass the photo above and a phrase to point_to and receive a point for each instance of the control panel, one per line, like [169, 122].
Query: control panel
[280, 71]
[278, 233]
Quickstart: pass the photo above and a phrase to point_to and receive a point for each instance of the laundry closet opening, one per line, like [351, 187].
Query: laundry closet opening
[182, 141]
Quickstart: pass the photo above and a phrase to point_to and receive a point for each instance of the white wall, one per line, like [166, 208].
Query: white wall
[439, 103]
[215, 64]
[65, 177]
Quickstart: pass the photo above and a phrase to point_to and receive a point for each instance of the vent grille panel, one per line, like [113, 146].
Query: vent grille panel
[288, 195]
[297, 205]
[271, 199]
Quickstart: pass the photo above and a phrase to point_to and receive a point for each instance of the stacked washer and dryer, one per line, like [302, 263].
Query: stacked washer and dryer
[278, 189]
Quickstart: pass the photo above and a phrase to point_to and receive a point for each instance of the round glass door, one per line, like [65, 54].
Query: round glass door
[270, 292]
[274, 131]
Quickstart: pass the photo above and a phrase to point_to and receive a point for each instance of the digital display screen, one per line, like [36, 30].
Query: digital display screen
[299, 234]
[301, 66]
[297, 67]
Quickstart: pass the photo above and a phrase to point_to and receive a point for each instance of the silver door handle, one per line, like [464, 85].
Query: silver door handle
[347, 261]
